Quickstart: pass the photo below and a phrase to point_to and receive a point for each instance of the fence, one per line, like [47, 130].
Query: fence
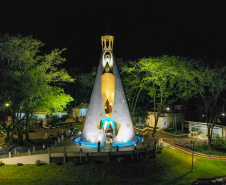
[200, 148]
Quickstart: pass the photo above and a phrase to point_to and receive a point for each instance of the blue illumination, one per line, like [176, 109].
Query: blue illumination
[122, 144]
[78, 141]
[108, 123]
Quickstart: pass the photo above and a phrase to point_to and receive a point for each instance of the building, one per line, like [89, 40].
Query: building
[199, 129]
[80, 111]
[42, 115]
[165, 120]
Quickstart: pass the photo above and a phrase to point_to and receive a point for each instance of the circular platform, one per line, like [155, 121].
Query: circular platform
[122, 144]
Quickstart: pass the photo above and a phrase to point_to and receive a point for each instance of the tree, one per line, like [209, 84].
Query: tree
[84, 86]
[132, 79]
[166, 81]
[210, 84]
[29, 81]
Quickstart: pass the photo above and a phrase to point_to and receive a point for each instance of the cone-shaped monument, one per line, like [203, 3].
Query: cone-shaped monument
[108, 118]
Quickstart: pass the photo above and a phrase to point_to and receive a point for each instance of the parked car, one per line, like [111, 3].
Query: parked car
[73, 131]
[80, 122]
[51, 136]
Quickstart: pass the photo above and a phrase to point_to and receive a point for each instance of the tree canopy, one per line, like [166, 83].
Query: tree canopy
[164, 80]
[169, 79]
[30, 80]
[210, 85]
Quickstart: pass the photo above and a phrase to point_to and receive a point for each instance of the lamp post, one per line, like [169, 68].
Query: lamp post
[192, 164]
[193, 151]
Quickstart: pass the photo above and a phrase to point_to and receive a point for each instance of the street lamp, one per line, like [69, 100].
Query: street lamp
[7, 104]
[193, 151]
[7, 110]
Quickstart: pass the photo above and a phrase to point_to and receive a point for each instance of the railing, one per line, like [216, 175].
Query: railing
[22, 152]
[57, 147]
[200, 149]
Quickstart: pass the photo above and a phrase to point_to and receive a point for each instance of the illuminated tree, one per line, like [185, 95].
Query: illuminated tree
[210, 84]
[137, 96]
[164, 80]
[29, 81]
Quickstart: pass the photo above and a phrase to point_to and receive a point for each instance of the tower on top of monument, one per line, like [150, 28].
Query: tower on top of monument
[107, 42]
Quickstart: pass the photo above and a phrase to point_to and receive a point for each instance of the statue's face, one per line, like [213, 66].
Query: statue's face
[107, 59]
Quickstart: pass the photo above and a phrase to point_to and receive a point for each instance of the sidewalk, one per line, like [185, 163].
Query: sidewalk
[167, 140]
[190, 152]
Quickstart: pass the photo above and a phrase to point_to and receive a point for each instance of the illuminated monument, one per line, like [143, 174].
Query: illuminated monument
[108, 118]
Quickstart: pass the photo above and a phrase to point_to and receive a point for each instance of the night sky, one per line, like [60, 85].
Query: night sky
[192, 28]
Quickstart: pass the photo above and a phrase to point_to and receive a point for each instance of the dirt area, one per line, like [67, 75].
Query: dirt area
[41, 132]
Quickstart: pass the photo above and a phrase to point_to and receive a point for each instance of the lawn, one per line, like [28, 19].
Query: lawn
[169, 167]
[214, 152]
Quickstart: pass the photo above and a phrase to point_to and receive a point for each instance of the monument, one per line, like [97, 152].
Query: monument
[108, 118]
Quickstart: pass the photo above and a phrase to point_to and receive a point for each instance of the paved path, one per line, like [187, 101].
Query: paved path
[168, 138]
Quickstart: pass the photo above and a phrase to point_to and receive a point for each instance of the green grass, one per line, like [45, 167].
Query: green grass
[204, 150]
[214, 152]
[169, 167]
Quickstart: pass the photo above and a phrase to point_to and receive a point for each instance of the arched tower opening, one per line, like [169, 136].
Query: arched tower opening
[107, 42]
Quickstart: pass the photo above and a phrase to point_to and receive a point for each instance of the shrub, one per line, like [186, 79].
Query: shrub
[38, 162]
[14, 140]
[64, 117]
[120, 159]
[1, 163]
[219, 144]
[75, 161]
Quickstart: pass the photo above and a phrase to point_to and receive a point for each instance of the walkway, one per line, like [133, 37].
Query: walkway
[170, 139]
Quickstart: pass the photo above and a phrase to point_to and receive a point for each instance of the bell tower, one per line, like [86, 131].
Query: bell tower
[107, 42]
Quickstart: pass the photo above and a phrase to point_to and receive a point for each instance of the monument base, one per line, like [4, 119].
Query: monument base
[78, 141]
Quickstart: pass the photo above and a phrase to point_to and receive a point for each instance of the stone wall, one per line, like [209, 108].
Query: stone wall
[31, 159]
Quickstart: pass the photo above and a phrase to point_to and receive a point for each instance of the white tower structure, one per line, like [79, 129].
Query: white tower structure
[108, 115]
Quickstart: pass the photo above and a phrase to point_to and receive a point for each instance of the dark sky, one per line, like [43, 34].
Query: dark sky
[192, 28]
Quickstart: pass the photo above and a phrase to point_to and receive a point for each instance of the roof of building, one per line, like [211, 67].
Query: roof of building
[82, 106]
